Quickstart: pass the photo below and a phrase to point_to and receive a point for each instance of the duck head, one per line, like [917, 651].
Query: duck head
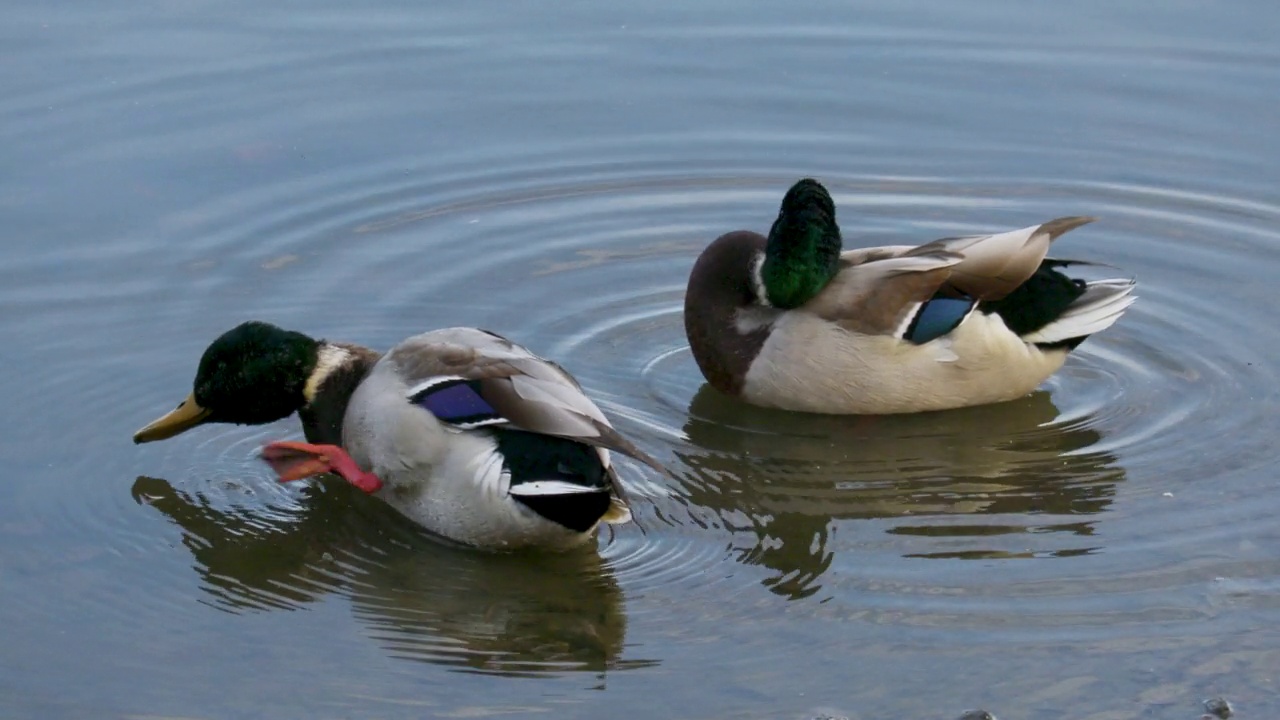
[743, 281]
[253, 374]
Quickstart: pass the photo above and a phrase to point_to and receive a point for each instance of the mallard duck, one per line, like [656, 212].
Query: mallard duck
[467, 433]
[790, 321]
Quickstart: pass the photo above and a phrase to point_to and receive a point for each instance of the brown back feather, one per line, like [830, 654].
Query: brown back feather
[874, 298]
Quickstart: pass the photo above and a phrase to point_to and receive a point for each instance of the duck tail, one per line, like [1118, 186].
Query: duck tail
[618, 513]
[574, 506]
[1096, 309]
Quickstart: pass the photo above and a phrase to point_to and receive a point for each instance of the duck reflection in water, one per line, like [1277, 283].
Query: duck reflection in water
[510, 614]
[783, 479]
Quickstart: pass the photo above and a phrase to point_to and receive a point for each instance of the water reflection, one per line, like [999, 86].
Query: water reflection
[1013, 469]
[517, 614]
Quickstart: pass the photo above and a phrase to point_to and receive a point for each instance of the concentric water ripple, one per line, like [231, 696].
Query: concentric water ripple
[1115, 450]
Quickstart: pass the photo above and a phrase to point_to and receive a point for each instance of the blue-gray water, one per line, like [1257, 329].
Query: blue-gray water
[1104, 549]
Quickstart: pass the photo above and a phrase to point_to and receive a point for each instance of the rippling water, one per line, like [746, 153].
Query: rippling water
[1104, 548]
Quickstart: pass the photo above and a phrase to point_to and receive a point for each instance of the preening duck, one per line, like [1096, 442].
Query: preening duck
[467, 433]
[790, 321]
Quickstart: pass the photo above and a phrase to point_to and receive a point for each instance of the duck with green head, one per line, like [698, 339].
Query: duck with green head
[467, 433]
[791, 321]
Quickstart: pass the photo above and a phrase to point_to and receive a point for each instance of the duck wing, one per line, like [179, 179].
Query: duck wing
[922, 293]
[992, 266]
[471, 378]
[883, 295]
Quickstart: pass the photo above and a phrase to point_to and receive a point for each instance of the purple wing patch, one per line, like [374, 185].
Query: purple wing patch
[457, 402]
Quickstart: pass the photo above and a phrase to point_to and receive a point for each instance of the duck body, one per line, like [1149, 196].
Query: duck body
[856, 373]
[791, 321]
[485, 443]
[463, 431]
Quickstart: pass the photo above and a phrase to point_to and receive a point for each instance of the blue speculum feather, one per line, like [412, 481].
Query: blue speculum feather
[457, 401]
[938, 317]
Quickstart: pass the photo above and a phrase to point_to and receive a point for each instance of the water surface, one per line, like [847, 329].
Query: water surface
[1103, 548]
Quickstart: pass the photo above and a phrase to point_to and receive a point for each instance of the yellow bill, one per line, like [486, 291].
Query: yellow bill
[187, 415]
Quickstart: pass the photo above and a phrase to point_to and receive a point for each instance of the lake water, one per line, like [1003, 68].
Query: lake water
[1104, 549]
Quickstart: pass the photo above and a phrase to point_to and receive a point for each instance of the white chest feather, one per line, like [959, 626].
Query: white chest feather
[811, 365]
